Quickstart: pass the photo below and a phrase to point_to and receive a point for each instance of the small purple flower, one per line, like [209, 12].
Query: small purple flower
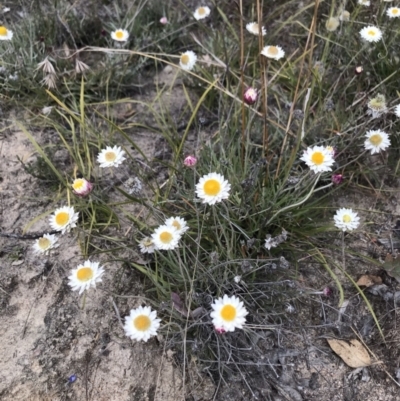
[190, 161]
[220, 330]
[337, 179]
[327, 291]
[72, 379]
[250, 96]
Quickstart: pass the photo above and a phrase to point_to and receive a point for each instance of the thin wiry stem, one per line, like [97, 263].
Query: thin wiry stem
[242, 66]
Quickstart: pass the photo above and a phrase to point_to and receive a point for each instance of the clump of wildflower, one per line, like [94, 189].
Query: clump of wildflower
[393, 12]
[146, 245]
[85, 276]
[166, 237]
[250, 96]
[188, 60]
[141, 324]
[45, 243]
[254, 29]
[5, 34]
[337, 179]
[377, 106]
[318, 158]
[111, 156]
[64, 219]
[82, 187]
[212, 188]
[371, 34]
[376, 141]
[228, 313]
[190, 161]
[332, 23]
[274, 52]
[201, 12]
[120, 35]
[178, 223]
[346, 219]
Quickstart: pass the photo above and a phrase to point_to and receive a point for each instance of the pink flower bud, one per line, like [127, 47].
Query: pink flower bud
[327, 291]
[337, 179]
[250, 96]
[190, 161]
[358, 70]
[82, 187]
[220, 330]
[164, 20]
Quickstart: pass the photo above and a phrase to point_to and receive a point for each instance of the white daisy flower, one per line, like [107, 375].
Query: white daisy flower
[201, 12]
[64, 219]
[332, 23]
[376, 141]
[111, 156]
[371, 34]
[397, 110]
[165, 237]
[45, 243]
[179, 223]
[377, 106]
[228, 313]
[274, 52]
[366, 3]
[253, 28]
[146, 245]
[188, 60]
[85, 276]
[82, 187]
[5, 34]
[318, 158]
[141, 324]
[393, 12]
[213, 188]
[120, 35]
[346, 219]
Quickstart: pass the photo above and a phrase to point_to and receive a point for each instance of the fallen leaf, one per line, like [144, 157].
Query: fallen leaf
[392, 267]
[353, 353]
[367, 280]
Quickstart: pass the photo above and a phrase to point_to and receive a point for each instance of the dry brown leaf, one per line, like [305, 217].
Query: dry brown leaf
[367, 280]
[353, 354]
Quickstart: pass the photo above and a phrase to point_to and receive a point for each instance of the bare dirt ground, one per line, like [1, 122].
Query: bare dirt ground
[47, 336]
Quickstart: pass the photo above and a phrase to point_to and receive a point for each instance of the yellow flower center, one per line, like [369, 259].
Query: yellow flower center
[44, 243]
[142, 323]
[85, 274]
[78, 184]
[176, 225]
[371, 32]
[346, 218]
[62, 218]
[395, 11]
[119, 34]
[3, 31]
[201, 11]
[110, 156]
[317, 158]
[375, 139]
[166, 237]
[185, 59]
[212, 187]
[228, 312]
[273, 50]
